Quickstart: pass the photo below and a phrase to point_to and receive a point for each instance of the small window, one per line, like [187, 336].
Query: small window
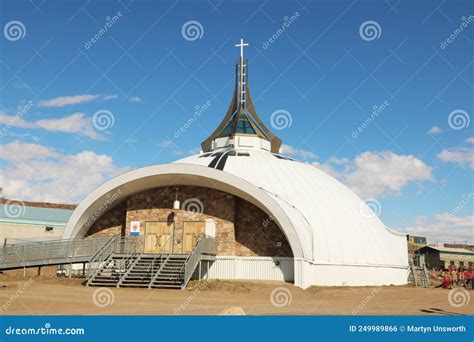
[48, 229]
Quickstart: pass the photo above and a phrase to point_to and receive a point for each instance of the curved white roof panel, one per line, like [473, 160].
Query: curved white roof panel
[331, 221]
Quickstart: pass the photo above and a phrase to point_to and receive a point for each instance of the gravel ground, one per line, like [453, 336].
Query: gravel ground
[62, 296]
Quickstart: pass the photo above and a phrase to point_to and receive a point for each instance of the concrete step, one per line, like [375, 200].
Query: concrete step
[130, 282]
[165, 279]
[177, 287]
[144, 285]
[140, 276]
[105, 281]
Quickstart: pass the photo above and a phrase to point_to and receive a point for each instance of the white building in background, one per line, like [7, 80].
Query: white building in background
[26, 222]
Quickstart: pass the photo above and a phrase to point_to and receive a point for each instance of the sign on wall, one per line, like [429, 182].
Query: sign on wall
[210, 228]
[135, 228]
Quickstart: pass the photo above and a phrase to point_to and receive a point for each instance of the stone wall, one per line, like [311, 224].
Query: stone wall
[241, 228]
[112, 222]
[256, 233]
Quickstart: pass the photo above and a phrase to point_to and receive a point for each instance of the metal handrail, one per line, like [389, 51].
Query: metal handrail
[126, 262]
[204, 245]
[112, 239]
[126, 245]
[159, 271]
[49, 252]
[160, 255]
[99, 258]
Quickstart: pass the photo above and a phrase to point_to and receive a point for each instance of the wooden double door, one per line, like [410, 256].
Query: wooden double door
[175, 237]
[159, 237]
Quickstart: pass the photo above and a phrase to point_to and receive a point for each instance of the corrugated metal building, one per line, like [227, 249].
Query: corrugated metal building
[22, 223]
[445, 257]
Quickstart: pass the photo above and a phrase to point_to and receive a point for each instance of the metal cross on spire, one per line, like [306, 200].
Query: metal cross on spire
[241, 46]
[242, 72]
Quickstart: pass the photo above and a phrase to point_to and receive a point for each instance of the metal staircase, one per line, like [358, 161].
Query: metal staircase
[110, 271]
[170, 275]
[419, 276]
[141, 271]
[113, 261]
[161, 270]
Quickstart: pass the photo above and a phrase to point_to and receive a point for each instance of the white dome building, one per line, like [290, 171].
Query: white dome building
[275, 218]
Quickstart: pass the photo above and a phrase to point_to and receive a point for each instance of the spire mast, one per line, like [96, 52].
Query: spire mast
[242, 71]
[241, 126]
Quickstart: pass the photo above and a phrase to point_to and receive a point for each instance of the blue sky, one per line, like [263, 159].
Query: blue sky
[322, 69]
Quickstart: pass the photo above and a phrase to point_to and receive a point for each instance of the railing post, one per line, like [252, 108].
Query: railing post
[23, 257]
[73, 244]
[44, 254]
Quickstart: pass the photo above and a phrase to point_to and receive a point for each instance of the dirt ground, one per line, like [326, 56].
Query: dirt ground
[46, 295]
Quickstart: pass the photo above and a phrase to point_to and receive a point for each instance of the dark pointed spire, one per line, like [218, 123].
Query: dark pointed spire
[241, 118]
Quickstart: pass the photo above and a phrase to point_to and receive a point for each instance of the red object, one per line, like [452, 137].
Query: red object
[446, 281]
[467, 275]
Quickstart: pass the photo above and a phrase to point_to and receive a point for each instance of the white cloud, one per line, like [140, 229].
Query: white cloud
[375, 174]
[290, 150]
[67, 100]
[470, 140]
[77, 123]
[444, 227]
[74, 99]
[110, 97]
[14, 121]
[136, 99]
[435, 130]
[18, 151]
[42, 174]
[460, 155]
